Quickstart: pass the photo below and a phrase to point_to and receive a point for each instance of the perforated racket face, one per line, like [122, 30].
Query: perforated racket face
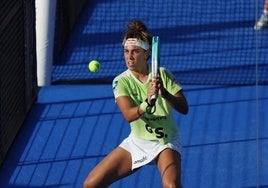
[155, 55]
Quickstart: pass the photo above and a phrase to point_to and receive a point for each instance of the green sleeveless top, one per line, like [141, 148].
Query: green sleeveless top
[160, 125]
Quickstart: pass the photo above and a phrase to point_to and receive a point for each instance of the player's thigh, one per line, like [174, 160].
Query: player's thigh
[169, 164]
[114, 166]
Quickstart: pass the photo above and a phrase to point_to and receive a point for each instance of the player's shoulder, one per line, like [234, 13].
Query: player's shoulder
[166, 72]
[163, 70]
[125, 74]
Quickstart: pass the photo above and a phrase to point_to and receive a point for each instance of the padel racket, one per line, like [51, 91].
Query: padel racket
[155, 61]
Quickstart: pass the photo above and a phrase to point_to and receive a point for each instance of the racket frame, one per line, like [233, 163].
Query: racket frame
[155, 61]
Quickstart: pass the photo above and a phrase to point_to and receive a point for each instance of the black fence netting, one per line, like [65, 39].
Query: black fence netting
[68, 12]
[18, 88]
[202, 42]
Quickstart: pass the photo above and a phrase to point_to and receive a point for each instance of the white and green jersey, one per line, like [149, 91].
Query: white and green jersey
[160, 125]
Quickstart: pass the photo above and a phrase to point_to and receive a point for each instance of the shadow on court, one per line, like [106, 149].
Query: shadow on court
[68, 132]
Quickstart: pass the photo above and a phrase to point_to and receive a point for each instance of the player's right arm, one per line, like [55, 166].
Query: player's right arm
[128, 109]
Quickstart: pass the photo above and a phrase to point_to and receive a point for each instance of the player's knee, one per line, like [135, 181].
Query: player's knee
[172, 184]
[86, 184]
[89, 183]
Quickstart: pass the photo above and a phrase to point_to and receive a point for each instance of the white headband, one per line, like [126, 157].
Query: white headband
[136, 42]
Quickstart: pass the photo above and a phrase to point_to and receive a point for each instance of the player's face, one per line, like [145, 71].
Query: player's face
[135, 57]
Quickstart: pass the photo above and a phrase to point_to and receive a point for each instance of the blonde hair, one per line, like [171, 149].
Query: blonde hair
[137, 29]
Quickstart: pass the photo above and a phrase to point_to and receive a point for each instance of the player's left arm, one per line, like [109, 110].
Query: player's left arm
[177, 101]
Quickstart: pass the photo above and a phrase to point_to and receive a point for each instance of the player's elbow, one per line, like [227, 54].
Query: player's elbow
[185, 111]
[131, 114]
[129, 118]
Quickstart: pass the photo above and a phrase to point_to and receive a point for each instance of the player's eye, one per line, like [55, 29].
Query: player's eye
[137, 51]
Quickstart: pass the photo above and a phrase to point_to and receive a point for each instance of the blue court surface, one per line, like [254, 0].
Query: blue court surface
[214, 52]
[71, 128]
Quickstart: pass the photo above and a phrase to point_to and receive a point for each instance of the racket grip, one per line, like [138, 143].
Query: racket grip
[153, 100]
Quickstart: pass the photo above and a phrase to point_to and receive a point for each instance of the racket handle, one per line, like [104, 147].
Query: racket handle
[153, 100]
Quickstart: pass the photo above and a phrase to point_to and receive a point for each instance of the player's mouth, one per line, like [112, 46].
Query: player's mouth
[131, 64]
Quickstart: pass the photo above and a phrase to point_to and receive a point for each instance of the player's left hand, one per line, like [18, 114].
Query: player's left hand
[153, 89]
[160, 86]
